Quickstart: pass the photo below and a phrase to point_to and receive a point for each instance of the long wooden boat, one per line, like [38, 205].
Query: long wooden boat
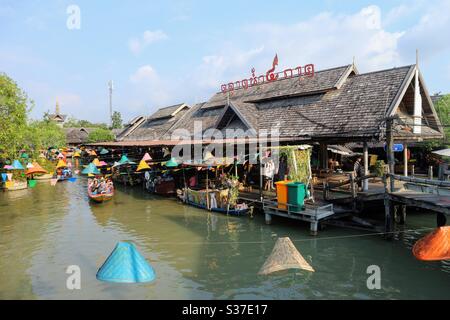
[46, 176]
[100, 197]
[232, 212]
[16, 185]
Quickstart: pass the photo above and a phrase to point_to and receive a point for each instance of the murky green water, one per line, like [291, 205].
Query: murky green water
[196, 255]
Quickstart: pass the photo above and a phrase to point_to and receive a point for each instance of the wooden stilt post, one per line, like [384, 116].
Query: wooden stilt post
[387, 208]
[430, 172]
[390, 149]
[405, 160]
[261, 196]
[366, 166]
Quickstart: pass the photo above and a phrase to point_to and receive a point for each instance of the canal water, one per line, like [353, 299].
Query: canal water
[195, 254]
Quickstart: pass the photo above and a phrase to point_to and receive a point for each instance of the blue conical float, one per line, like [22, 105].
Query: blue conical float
[125, 265]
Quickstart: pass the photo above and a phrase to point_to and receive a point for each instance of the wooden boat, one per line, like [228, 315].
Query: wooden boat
[100, 197]
[46, 176]
[16, 185]
[232, 212]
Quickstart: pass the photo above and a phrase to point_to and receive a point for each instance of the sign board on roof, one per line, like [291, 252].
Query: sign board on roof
[270, 76]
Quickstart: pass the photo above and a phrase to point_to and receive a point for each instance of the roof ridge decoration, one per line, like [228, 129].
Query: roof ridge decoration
[300, 71]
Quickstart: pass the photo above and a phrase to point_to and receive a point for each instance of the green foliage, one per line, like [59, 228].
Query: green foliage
[100, 135]
[43, 134]
[116, 120]
[443, 110]
[297, 158]
[378, 168]
[14, 106]
[75, 123]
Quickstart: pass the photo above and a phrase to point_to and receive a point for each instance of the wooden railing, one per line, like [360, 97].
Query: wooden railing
[352, 182]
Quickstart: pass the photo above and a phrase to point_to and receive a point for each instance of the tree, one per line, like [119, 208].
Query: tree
[116, 120]
[443, 110]
[14, 106]
[100, 135]
[44, 134]
[72, 122]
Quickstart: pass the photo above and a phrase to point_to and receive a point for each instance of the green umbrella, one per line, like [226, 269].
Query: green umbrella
[172, 163]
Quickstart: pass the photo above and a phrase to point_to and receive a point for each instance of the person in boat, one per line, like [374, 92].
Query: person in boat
[94, 186]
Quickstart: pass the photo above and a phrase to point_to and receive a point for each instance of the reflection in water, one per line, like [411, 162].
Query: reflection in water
[195, 254]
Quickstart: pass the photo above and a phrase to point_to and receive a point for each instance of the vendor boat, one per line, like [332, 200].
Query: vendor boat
[100, 197]
[197, 198]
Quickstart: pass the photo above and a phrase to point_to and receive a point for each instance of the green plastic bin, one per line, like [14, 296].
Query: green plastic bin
[296, 196]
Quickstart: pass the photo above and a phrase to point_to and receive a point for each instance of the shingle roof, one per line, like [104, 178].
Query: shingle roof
[76, 135]
[167, 111]
[322, 81]
[342, 111]
[155, 126]
[207, 118]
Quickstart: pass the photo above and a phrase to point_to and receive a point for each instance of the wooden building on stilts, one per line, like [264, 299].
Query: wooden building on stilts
[328, 109]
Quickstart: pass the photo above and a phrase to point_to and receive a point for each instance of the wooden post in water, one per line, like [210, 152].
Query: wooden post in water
[390, 149]
[430, 172]
[366, 166]
[387, 208]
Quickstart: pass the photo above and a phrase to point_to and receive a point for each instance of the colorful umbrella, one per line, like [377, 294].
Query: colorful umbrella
[61, 164]
[36, 169]
[76, 154]
[147, 157]
[172, 163]
[142, 166]
[104, 151]
[96, 162]
[103, 163]
[29, 165]
[17, 165]
[8, 167]
[91, 169]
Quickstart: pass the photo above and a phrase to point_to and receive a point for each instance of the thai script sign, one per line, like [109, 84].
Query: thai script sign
[270, 76]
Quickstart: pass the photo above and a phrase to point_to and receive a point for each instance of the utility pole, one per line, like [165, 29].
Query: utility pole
[111, 87]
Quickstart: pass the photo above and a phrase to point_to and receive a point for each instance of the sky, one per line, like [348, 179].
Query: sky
[160, 53]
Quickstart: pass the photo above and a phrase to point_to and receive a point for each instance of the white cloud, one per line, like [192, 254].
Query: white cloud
[136, 45]
[429, 34]
[149, 89]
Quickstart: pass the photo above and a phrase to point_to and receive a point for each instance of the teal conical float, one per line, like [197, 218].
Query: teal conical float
[104, 151]
[125, 265]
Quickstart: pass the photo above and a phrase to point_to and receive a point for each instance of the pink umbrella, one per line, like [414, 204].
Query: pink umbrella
[8, 167]
[102, 163]
[147, 157]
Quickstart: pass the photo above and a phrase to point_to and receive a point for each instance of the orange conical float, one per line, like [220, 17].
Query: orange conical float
[434, 246]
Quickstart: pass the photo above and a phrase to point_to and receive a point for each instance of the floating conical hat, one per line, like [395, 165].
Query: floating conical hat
[142, 166]
[284, 256]
[104, 151]
[434, 246]
[126, 265]
[61, 164]
[96, 162]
